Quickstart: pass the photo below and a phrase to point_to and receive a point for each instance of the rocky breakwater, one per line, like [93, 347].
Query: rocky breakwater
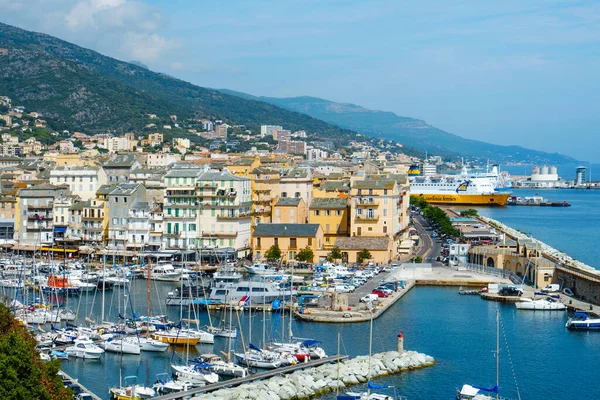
[313, 382]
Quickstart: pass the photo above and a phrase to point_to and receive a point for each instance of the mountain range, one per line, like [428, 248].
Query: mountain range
[409, 131]
[79, 89]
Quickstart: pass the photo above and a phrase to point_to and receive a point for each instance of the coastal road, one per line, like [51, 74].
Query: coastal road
[429, 248]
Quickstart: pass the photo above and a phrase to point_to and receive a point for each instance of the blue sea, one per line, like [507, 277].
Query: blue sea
[538, 354]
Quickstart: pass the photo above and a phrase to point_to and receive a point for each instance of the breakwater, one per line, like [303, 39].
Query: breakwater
[549, 252]
[327, 378]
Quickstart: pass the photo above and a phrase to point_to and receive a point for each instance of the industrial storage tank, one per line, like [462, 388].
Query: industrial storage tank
[553, 170]
[535, 171]
[544, 170]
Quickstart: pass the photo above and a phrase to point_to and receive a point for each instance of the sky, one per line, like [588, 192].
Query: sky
[509, 72]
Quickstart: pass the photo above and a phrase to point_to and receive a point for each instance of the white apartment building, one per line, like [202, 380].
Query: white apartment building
[206, 208]
[158, 160]
[83, 181]
[267, 130]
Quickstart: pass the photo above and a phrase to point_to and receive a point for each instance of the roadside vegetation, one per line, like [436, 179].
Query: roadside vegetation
[436, 217]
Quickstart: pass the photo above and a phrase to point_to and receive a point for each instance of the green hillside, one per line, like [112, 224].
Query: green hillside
[79, 89]
[409, 131]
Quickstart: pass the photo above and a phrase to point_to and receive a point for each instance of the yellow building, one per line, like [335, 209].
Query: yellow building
[62, 160]
[333, 216]
[333, 189]
[291, 238]
[381, 249]
[265, 184]
[289, 210]
[243, 166]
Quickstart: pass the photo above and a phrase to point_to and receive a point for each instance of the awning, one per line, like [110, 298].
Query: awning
[57, 249]
[60, 229]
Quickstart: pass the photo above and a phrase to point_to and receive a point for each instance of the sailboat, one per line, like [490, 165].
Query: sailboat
[473, 392]
[543, 304]
[146, 342]
[302, 350]
[368, 395]
[131, 390]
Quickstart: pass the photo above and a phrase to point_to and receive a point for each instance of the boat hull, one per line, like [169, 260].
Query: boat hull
[493, 199]
[182, 341]
[538, 306]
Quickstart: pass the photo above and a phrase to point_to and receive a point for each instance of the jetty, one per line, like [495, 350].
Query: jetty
[307, 380]
[76, 382]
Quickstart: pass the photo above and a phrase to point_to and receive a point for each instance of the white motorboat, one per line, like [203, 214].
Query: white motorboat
[84, 348]
[149, 344]
[132, 391]
[165, 273]
[581, 320]
[547, 304]
[125, 345]
[260, 269]
[165, 385]
[196, 374]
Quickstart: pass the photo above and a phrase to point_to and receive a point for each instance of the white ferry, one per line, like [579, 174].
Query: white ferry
[458, 189]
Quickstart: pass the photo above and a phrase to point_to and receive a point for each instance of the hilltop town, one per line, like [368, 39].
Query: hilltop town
[208, 186]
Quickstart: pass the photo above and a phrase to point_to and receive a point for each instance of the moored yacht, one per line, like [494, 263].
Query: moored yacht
[259, 268]
[84, 348]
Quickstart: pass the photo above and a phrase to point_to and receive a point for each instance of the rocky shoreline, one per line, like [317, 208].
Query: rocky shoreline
[313, 382]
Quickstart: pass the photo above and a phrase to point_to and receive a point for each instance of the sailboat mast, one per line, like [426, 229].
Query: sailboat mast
[497, 349]
[148, 298]
[103, 286]
[370, 348]
[264, 327]
[291, 304]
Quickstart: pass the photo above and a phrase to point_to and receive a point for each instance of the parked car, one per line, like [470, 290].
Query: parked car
[568, 292]
[369, 298]
[510, 291]
[379, 293]
[552, 288]
[385, 289]
[341, 289]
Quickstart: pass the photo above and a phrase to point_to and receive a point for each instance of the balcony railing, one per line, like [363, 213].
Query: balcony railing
[234, 216]
[367, 202]
[367, 218]
[219, 234]
[38, 217]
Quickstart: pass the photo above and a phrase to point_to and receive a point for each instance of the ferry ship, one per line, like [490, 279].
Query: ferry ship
[464, 189]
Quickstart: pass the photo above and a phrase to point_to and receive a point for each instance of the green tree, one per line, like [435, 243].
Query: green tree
[363, 255]
[471, 212]
[24, 375]
[335, 254]
[417, 259]
[305, 255]
[274, 253]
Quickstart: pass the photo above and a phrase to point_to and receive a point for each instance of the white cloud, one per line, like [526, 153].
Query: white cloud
[124, 29]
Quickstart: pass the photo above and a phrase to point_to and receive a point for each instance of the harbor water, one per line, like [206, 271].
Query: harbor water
[458, 331]
[573, 230]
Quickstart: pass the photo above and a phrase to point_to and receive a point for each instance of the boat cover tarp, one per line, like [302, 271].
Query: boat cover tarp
[253, 347]
[374, 386]
[347, 397]
[493, 389]
[310, 342]
[70, 325]
[581, 315]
